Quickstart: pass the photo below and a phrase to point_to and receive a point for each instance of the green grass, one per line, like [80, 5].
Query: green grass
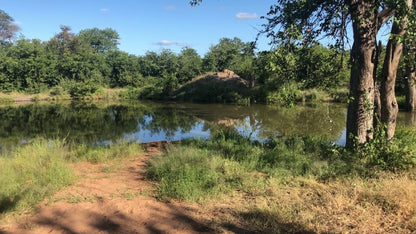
[194, 174]
[299, 184]
[32, 172]
[102, 153]
[199, 169]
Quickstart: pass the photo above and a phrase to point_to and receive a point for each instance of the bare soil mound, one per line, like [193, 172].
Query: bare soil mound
[224, 86]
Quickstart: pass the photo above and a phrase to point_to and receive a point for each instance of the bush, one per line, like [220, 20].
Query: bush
[80, 90]
[284, 96]
[57, 91]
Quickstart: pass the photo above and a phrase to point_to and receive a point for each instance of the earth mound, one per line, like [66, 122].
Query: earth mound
[224, 86]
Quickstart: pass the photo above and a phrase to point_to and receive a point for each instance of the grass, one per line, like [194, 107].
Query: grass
[378, 205]
[32, 172]
[301, 184]
[194, 174]
[56, 94]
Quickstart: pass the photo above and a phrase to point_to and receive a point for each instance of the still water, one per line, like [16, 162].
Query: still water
[102, 122]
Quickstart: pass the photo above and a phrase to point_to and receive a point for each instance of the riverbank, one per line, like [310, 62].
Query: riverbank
[15, 97]
[225, 185]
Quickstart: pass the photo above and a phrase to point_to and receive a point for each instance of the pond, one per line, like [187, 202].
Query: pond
[103, 122]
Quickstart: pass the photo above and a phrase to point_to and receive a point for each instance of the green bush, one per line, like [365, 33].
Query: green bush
[80, 90]
[57, 91]
[284, 96]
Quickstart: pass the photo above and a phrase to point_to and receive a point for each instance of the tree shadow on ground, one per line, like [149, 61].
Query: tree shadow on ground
[265, 222]
[161, 218]
[8, 204]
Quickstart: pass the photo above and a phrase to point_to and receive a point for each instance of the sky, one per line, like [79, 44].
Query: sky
[145, 25]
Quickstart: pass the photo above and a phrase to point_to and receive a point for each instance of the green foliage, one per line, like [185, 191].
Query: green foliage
[101, 40]
[146, 92]
[393, 156]
[286, 95]
[190, 65]
[81, 90]
[57, 91]
[227, 54]
[91, 58]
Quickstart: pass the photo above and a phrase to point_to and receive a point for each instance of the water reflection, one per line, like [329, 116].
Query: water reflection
[93, 123]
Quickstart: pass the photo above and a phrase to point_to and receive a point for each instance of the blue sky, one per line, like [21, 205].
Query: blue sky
[146, 25]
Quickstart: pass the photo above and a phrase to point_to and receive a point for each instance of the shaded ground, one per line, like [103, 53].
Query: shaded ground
[113, 199]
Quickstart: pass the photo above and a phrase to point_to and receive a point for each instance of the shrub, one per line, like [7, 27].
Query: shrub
[285, 95]
[80, 90]
[57, 91]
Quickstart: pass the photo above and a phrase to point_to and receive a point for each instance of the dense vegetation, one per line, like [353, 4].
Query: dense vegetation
[80, 64]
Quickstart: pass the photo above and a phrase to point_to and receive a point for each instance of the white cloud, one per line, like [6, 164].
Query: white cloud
[169, 8]
[171, 43]
[244, 15]
[17, 22]
[104, 10]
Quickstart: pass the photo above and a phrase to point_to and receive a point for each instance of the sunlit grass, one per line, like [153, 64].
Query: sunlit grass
[300, 184]
[32, 172]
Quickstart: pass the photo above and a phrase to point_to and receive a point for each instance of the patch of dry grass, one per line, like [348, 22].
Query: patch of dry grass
[47, 96]
[383, 205]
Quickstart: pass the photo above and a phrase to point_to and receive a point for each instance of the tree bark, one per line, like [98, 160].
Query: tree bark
[361, 105]
[411, 88]
[389, 106]
[377, 97]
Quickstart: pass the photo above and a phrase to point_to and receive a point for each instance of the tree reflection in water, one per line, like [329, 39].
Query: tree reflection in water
[94, 122]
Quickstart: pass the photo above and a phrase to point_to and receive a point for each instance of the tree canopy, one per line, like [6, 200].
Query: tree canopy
[8, 27]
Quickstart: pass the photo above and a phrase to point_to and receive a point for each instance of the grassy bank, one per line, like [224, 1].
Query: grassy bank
[297, 184]
[56, 94]
[32, 172]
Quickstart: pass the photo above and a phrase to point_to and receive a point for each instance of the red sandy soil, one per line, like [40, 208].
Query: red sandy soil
[118, 201]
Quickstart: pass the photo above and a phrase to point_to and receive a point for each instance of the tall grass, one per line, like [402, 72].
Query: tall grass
[194, 174]
[304, 184]
[31, 172]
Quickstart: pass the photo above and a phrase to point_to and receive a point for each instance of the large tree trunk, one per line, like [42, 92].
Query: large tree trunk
[411, 88]
[361, 105]
[389, 107]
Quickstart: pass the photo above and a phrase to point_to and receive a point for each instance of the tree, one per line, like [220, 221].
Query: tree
[101, 40]
[299, 20]
[61, 42]
[8, 28]
[389, 106]
[190, 64]
[124, 69]
[410, 61]
[226, 54]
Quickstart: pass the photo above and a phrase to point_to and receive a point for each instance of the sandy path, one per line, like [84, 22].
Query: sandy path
[118, 201]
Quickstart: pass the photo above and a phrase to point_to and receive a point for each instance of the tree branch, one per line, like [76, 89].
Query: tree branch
[383, 16]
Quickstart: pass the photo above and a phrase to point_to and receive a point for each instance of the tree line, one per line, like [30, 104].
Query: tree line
[81, 63]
